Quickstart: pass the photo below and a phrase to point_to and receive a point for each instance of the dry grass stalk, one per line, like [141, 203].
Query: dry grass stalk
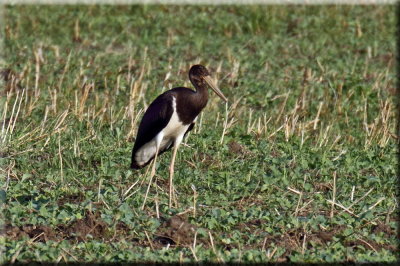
[302, 127]
[134, 119]
[276, 131]
[83, 99]
[343, 207]
[305, 205]
[225, 123]
[368, 244]
[296, 212]
[157, 206]
[27, 137]
[286, 95]
[325, 139]
[270, 255]
[61, 160]
[320, 66]
[43, 123]
[373, 206]
[294, 190]
[249, 124]
[133, 193]
[379, 130]
[352, 193]
[357, 201]
[148, 239]
[338, 137]
[37, 73]
[339, 155]
[60, 120]
[63, 74]
[307, 76]
[194, 253]
[72, 256]
[219, 259]
[76, 30]
[287, 128]
[317, 117]
[18, 110]
[53, 99]
[333, 194]
[303, 248]
[194, 200]
[5, 108]
[132, 186]
[12, 115]
[217, 120]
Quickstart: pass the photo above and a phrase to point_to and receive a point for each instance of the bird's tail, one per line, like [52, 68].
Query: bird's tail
[134, 165]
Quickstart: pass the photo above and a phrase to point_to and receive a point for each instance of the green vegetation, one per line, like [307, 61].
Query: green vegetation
[301, 165]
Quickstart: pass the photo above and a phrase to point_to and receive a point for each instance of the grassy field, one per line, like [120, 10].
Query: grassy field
[300, 166]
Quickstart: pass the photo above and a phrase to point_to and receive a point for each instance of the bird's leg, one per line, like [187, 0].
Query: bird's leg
[171, 176]
[153, 168]
[158, 141]
[171, 170]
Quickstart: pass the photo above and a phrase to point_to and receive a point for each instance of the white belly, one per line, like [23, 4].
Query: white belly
[174, 131]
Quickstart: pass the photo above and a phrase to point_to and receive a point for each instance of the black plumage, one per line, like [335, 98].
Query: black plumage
[157, 117]
[169, 118]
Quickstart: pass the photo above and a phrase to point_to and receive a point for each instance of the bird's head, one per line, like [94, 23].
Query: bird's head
[199, 74]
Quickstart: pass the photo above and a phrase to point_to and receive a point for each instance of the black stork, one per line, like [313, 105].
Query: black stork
[169, 118]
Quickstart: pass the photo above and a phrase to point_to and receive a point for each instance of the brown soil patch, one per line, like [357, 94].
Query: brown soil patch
[177, 231]
[6, 74]
[324, 237]
[91, 224]
[293, 239]
[383, 228]
[369, 244]
[72, 198]
[36, 232]
[290, 240]
[385, 58]
[79, 230]
[4, 154]
[204, 159]
[392, 90]
[10, 79]
[275, 153]
[246, 202]
[323, 187]
[236, 148]
[368, 171]
[251, 226]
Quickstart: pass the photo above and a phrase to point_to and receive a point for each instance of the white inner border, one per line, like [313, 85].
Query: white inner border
[202, 2]
[177, 2]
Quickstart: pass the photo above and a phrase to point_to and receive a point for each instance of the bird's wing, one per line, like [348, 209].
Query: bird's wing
[154, 120]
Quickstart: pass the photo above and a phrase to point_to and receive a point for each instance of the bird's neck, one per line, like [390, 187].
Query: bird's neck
[201, 94]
